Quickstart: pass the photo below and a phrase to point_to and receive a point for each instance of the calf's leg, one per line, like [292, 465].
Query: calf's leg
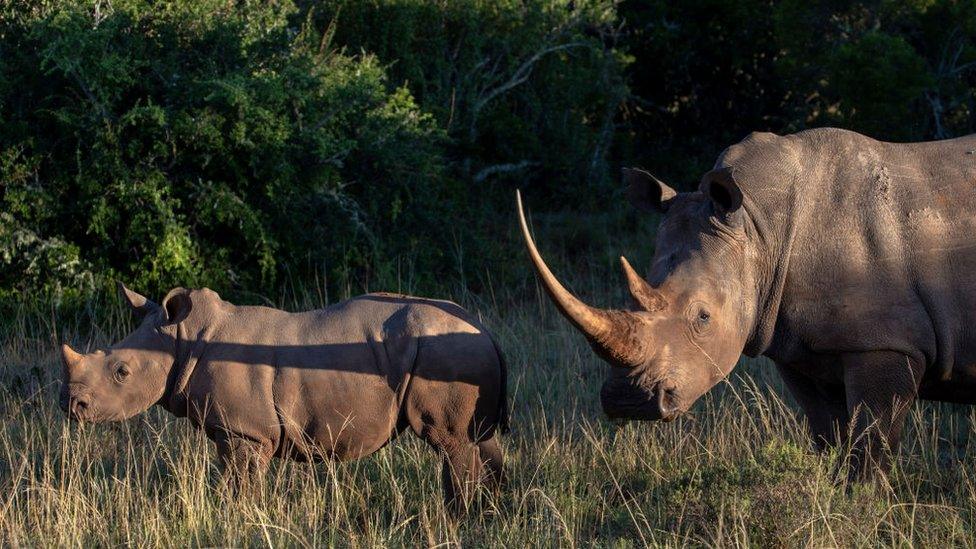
[446, 422]
[460, 474]
[243, 460]
[491, 457]
[452, 402]
[881, 387]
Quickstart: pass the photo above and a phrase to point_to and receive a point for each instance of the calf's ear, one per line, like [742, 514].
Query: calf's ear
[140, 304]
[177, 305]
[647, 192]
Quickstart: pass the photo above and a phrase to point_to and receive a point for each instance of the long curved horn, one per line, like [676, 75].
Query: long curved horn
[590, 321]
[612, 333]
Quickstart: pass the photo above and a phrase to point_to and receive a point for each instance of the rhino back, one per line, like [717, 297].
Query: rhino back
[877, 240]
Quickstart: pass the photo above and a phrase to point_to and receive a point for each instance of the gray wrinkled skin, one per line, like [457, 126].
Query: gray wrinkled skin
[337, 383]
[847, 261]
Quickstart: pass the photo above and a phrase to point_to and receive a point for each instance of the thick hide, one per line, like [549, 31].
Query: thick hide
[848, 261]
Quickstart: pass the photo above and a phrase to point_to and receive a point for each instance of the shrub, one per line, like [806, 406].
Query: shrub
[189, 143]
[200, 143]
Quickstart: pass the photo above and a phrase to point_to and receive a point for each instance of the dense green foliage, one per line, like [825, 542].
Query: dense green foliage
[254, 145]
[523, 89]
[190, 143]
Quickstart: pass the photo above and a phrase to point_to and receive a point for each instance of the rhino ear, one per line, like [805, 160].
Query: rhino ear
[140, 304]
[647, 192]
[177, 305]
[720, 187]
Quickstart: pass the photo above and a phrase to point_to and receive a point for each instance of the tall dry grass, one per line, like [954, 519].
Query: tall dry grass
[736, 472]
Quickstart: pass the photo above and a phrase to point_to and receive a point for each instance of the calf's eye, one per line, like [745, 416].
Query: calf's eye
[121, 372]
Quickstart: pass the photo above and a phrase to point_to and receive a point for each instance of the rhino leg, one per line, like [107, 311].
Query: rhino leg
[467, 468]
[491, 457]
[444, 416]
[881, 387]
[825, 406]
[243, 460]
[460, 474]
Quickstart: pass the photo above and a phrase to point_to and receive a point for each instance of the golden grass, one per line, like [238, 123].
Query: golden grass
[737, 472]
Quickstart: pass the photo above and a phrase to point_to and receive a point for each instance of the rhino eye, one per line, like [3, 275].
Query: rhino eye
[121, 372]
[703, 316]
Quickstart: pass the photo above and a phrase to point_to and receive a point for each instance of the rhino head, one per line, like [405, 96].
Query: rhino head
[127, 378]
[690, 319]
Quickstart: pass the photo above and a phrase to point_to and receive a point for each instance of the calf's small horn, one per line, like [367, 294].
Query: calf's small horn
[70, 357]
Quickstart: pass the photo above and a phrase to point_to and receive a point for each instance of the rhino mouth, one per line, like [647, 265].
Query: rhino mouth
[659, 404]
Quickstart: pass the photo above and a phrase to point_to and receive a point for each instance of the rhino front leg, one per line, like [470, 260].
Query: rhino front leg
[881, 387]
[243, 460]
[824, 405]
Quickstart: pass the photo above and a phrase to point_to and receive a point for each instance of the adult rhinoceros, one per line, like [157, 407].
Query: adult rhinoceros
[850, 262]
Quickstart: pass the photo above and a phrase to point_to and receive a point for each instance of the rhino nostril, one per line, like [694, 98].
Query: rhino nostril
[665, 401]
[78, 406]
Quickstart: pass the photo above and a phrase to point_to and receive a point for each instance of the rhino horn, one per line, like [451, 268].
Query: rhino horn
[644, 295]
[610, 332]
[70, 357]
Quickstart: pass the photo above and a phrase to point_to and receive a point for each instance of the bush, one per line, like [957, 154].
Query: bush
[187, 143]
[376, 142]
[241, 147]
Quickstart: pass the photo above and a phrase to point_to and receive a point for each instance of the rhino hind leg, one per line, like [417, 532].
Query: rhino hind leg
[471, 456]
[881, 387]
[455, 401]
[460, 475]
[491, 456]
[467, 469]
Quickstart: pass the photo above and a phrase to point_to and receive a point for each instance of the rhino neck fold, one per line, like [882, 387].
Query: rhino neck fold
[187, 352]
[774, 234]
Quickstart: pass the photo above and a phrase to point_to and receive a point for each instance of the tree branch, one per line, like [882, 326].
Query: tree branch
[518, 77]
[489, 171]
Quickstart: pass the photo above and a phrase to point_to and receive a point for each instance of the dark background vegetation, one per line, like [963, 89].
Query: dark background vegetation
[251, 146]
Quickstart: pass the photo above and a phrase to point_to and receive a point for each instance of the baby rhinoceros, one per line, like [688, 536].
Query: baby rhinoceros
[336, 383]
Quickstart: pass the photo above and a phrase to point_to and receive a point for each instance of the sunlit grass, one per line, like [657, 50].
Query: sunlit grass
[737, 471]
